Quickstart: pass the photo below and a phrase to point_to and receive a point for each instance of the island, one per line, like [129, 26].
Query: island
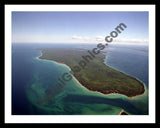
[93, 73]
[122, 112]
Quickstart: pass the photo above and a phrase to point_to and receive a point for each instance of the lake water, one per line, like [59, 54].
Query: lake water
[32, 79]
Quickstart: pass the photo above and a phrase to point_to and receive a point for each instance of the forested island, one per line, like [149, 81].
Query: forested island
[94, 74]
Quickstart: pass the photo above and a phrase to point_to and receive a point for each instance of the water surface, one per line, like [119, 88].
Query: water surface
[32, 79]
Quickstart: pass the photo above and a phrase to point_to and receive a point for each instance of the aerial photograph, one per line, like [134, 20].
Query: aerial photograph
[80, 63]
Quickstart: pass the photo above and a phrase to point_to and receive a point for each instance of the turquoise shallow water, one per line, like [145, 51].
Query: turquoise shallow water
[37, 77]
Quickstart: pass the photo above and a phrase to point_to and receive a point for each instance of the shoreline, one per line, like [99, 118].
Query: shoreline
[49, 60]
[105, 59]
[134, 77]
[98, 91]
[110, 93]
[122, 111]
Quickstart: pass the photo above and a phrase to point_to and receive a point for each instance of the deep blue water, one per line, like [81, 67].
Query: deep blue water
[23, 67]
[132, 60]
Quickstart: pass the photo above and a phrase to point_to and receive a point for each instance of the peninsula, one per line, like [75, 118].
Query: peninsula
[95, 76]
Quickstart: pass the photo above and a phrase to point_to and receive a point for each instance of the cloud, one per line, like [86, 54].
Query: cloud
[86, 39]
[101, 39]
[76, 37]
[130, 41]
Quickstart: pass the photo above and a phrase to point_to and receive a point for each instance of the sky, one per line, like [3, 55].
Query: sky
[81, 27]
